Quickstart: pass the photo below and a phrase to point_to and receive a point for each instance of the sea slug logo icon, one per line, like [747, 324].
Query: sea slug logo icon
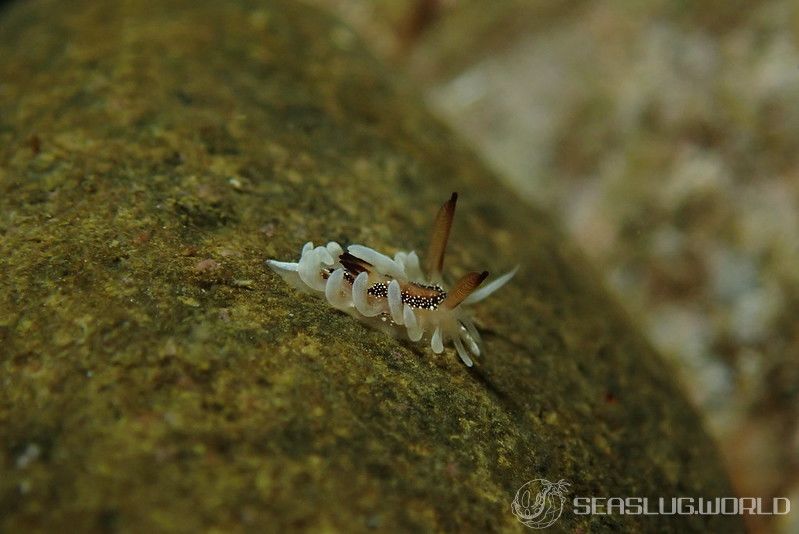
[539, 502]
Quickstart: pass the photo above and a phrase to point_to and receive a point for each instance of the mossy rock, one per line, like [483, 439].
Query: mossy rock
[156, 376]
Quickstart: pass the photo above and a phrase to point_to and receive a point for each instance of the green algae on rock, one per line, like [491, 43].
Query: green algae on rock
[155, 375]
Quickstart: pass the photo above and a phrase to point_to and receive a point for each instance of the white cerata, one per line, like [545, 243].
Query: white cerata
[390, 294]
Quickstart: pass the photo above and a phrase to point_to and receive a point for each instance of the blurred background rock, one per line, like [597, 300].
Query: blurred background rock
[665, 136]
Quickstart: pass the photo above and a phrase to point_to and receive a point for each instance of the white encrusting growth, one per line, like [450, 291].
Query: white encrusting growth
[396, 292]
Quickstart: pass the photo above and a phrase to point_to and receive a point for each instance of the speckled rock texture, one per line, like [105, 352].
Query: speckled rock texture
[662, 135]
[155, 376]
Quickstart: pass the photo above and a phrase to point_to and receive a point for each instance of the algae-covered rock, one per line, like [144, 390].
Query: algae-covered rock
[156, 376]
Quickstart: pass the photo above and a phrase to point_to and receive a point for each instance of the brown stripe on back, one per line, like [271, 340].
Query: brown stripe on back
[418, 290]
[354, 264]
[424, 297]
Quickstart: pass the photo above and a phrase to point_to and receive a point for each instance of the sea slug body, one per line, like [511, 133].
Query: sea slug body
[394, 294]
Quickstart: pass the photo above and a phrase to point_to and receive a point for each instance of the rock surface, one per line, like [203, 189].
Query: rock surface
[156, 376]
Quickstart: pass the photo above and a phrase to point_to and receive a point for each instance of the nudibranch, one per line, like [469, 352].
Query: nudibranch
[393, 293]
